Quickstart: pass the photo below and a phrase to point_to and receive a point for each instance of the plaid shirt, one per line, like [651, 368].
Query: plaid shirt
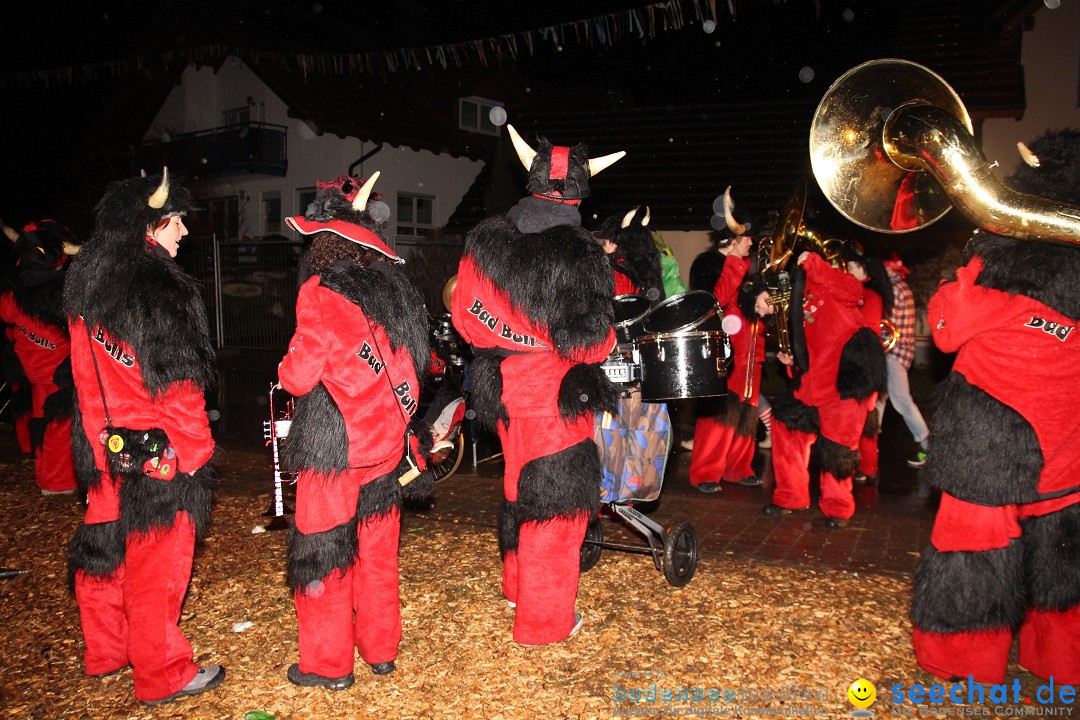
[903, 316]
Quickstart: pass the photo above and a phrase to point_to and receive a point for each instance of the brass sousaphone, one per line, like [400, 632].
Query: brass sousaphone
[891, 135]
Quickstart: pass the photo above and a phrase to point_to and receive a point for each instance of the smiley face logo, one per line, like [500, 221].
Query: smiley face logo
[862, 693]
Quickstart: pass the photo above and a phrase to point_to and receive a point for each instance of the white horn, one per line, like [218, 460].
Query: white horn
[628, 217]
[602, 163]
[359, 203]
[645, 222]
[525, 153]
[729, 205]
[10, 233]
[71, 248]
[161, 195]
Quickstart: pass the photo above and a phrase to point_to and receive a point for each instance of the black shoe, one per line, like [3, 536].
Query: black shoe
[708, 487]
[384, 668]
[751, 481]
[304, 679]
[835, 523]
[207, 678]
[775, 510]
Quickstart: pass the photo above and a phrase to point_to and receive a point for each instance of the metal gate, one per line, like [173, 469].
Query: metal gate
[249, 287]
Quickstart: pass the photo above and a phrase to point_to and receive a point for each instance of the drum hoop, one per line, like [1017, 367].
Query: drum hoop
[655, 337]
[631, 321]
[693, 324]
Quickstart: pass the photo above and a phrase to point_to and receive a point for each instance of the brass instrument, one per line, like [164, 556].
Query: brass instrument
[791, 237]
[891, 137]
[890, 334]
[748, 381]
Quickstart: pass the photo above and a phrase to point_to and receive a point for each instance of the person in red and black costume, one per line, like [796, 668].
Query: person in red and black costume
[1004, 554]
[533, 298]
[33, 310]
[633, 255]
[725, 434]
[839, 366]
[355, 364]
[877, 304]
[142, 359]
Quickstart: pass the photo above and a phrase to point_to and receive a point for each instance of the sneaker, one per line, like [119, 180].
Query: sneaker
[776, 511]
[835, 523]
[918, 461]
[708, 487]
[47, 493]
[207, 678]
[304, 679]
[859, 479]
[766, 444]
[751, 481]
[687, 444]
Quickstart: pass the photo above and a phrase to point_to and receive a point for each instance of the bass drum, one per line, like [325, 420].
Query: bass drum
[630, 312]
[688, 365]
[693, 311]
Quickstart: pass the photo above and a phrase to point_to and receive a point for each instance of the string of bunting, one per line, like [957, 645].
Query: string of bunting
[644, 23]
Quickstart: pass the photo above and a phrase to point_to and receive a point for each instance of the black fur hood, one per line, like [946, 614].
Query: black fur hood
[1046, 272]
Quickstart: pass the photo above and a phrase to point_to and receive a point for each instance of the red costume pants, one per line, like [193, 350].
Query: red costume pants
[720, 453]
[131, 616]
[791, 469]
[868, 455]
[1049, 638]
[54, 467]
[541, 574]
[358, 607]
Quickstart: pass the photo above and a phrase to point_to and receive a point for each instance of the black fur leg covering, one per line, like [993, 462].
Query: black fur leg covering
[508, 527]
[834, 458]
[739, 415]
[966, 591]
[586, 388]
[380, 496]
[313, 557]
[96, 549]
[1052, 559]
[862, 366]
[423, 486]
[795, 415]
[485, 389]
[995, 461]
[561, 485]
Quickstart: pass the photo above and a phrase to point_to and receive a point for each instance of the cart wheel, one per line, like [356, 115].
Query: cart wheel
[590, 549]
[446, 462]
[680, 554]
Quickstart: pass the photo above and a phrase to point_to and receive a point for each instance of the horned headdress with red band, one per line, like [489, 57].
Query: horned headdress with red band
[559, 173]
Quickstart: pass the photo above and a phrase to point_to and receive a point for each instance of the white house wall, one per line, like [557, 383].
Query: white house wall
[198, 102]
[1051, 58]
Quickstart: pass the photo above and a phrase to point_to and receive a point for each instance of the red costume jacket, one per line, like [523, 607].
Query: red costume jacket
[370, 382]
[180, 410]
[832, 315]
[40, 347]
[727, 294]
[1021, 353]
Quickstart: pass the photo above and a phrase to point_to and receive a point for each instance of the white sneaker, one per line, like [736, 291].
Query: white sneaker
[687, 444]
[766, 444]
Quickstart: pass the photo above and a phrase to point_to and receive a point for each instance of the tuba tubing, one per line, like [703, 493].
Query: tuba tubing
[931, 139]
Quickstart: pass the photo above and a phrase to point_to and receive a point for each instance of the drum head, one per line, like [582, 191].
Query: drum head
[629, 309]
[681, 313]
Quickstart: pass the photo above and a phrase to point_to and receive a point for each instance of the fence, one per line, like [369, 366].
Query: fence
[249, 287]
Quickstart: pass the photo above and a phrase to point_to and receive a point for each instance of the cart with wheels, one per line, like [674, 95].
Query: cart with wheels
[634, 447]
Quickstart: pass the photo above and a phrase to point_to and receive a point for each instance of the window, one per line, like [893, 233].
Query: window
[415, 215]
[223, 217]
[304, 197]
[474, 115]
[271, 205]
[236, 116]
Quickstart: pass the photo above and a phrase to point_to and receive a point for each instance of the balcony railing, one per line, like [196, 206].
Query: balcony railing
[251, 148]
